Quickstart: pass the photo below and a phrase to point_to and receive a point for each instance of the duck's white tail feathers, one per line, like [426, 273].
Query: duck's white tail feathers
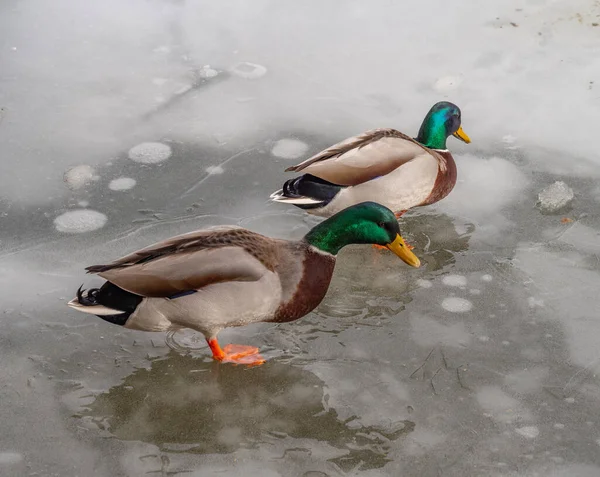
[98, 310]
[278, 196]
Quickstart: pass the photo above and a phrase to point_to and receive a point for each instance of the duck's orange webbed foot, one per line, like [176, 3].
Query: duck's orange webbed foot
[234, 353]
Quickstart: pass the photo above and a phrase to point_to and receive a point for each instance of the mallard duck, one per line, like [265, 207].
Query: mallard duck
[383, 165]
[229, 276]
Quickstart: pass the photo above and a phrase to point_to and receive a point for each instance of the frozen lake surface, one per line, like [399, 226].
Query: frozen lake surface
[121, 125]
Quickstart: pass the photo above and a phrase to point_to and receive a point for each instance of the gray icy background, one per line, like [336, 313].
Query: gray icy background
[483, 362]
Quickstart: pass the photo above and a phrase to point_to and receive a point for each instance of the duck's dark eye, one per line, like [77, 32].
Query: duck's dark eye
[382, 225]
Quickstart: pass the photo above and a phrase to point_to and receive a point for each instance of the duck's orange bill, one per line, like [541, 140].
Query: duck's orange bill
[401, 249]
[460, 134]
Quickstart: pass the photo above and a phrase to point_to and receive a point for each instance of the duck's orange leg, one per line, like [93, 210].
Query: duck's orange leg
[238, 354]
[398, 215]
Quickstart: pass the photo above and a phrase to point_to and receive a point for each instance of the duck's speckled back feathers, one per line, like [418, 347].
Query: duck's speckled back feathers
[355, 142]
[260, 247]
[192, 261]
[362, 158]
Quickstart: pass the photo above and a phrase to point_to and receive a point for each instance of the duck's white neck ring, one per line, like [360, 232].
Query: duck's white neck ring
[312, 248]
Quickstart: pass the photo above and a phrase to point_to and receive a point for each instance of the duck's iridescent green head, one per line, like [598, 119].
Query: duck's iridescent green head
[367, 222]
[442, 120]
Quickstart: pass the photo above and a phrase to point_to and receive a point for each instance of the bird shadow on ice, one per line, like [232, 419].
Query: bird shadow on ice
[181, 403]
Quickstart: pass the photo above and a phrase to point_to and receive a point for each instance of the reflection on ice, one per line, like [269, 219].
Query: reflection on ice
[183, 403]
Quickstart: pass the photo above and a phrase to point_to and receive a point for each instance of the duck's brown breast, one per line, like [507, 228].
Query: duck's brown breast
[317, 270]
[445, 180]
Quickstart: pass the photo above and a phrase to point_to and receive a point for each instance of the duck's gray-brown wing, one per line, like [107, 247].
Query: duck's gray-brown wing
[192, 261]
[362, 158]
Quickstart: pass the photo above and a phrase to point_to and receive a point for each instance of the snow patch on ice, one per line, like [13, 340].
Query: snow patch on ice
[530, 432]
[455, 304]
[289, 148]
[214, 170]
[150, 152]
[80, 221]
[207, 72]
[79, 176]
[122, 183]
[248, 70]
[455, 280]
[424, 283]
[555, 198]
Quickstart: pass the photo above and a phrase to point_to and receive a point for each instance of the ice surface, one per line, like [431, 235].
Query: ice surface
[500, 406]
[150, 152]
[575, 309]
[447, 84]
[380, 380]
[525, 64]
[289, 149]
[555, 197]
[80, 221]
[8, 458]
[485, 190]
[122, 183]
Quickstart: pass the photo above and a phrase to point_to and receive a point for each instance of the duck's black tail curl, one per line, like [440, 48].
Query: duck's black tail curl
[309, 186]
[90, 298]
[109, 302]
